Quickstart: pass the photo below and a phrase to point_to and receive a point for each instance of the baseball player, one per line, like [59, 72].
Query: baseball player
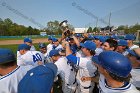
[122, 46]
[130, 38]
[65, 71]
[43, 50]
[38, 80]
[114, 71]
[56, 44]
[85, 65]
[49, 46]
[110, 44]
[99, 40]
[28, 57]
[135, 61]
[10, 73]
[28, 41]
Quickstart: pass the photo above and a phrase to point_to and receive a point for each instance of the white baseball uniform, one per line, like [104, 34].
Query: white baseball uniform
[79, 54]
[49, 48]
[47, 59]
[59, 47]
[104, 88]
[30, 58]
[135, 80]
[86, 69]
[67, 75]
[9, 82]
[98, 51]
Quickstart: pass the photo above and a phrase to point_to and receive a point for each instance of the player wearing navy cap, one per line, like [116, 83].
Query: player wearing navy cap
[10, 73]
[114, 71]
[65, 71]
[28, 41]
[43, 50]
[28, 57]
[85, 65]
[122, 46]
[135, 61]
[56, 44]
[130, 38]
[49, 46]
[99, 40]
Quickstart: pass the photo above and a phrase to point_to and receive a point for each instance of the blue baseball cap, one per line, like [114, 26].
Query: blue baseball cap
[91, 37]
[50, 38]
[115, 37]
[54, 52]
[54, 39]
[6, 56]
[42, 45]
[115, 63]
[95, 59]
[89, 45]
[23, 47]
[28, 40]
[122, 42]
[101, 38]
[39, 79]
[129, 37]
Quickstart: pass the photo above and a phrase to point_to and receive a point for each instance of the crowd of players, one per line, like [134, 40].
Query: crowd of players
[85, 63]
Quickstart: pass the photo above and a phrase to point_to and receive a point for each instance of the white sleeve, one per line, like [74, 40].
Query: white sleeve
[20, 62]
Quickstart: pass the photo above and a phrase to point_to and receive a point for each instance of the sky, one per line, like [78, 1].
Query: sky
[79, 13]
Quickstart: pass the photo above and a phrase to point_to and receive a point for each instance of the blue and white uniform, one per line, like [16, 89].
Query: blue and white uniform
[30, 58]
[47, 59]
[58, 47]
[86, 69]
[98, 51]
[104, 88]
[135, 80]
[9, 82]
[49, 48]
[67, 75]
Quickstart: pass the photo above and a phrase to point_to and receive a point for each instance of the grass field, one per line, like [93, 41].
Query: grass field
[15, 47]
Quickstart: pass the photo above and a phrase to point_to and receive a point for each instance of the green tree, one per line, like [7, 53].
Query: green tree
[89, 30]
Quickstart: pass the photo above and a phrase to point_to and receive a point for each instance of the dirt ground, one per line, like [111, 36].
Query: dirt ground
[11, 42]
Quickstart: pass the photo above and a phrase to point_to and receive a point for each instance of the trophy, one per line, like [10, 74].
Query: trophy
[64, 27]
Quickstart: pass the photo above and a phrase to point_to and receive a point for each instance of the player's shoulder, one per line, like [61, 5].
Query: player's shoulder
[26, 68]
[62, 59]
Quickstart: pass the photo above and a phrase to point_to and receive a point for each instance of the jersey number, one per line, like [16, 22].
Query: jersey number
[37, 57]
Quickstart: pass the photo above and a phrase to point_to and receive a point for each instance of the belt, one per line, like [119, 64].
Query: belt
[87, 87]
[72, 83]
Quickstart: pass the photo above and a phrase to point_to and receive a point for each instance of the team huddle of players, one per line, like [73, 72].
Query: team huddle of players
[85, 64]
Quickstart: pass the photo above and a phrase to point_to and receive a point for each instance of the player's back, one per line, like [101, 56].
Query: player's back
[9, 82]
[65, 70]
[31, 58]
